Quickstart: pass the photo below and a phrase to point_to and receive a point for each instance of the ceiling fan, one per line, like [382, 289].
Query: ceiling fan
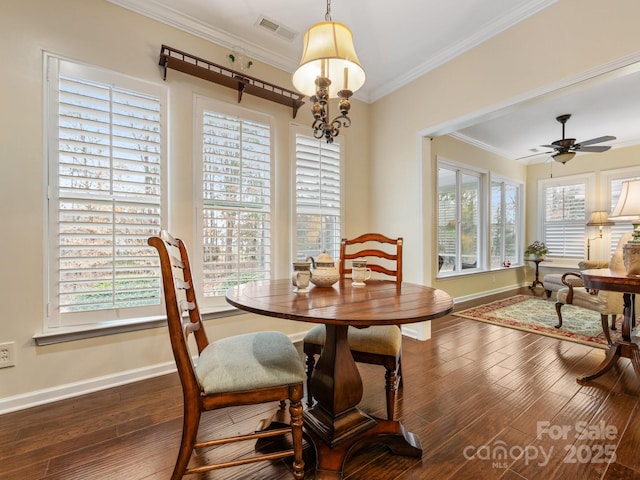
[566, 148]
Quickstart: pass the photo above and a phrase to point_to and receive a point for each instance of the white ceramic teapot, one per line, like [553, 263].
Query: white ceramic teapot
[324, 272]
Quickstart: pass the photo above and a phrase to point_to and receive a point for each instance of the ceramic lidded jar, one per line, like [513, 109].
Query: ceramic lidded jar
[324, 273]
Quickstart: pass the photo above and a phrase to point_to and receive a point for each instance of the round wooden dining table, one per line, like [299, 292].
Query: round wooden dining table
[335, 424]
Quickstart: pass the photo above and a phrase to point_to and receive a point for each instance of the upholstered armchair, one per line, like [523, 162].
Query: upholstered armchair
[604, 302]
[553, 282]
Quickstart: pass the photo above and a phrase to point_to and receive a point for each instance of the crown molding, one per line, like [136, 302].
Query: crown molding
[172, 17]
[500, 24]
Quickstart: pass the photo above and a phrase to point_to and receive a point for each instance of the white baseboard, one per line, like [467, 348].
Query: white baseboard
[48, 395]
[422, 331]
[70, 390]
[486, 293]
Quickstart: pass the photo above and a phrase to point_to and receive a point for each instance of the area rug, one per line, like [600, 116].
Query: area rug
[538, 315]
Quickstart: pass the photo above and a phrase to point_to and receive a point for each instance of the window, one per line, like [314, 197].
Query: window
[105, 154]
[317, 197]
[565, 208]
[234, 187]
[505, 215]
[460, 206]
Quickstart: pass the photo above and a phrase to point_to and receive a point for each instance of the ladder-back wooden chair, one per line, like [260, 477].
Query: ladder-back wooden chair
[239, 370]
[377, 345]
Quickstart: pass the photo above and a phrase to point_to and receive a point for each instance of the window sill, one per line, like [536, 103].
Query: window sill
[564, 264]
[81, 332]
[476, 271]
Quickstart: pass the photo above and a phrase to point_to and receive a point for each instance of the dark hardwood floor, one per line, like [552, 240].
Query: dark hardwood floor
[487, 403]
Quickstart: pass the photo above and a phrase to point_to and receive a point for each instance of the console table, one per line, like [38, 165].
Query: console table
[616, 281]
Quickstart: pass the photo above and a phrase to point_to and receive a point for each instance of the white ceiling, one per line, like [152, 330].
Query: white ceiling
[388, 40]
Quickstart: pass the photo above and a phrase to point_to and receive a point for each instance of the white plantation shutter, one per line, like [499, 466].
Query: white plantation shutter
[236, 201]
[105, 196]
[318, 197]
[564, 222]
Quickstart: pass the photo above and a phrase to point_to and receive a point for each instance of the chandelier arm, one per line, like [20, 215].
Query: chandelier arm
[341, 121]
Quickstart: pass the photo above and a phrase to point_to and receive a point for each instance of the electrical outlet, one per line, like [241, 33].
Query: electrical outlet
[7, 354]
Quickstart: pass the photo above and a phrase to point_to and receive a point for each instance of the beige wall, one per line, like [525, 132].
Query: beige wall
[540, 54]
[388, 164]
[99, 33]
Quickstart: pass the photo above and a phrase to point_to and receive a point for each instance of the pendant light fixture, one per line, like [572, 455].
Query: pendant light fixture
[329, 68]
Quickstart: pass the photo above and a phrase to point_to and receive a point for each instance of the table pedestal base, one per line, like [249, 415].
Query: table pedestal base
[331, 459]
[536, 281]
[619, 349]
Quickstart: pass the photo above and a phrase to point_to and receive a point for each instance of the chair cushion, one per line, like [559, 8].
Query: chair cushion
[249, 361]
[553, 282]
[382, 339]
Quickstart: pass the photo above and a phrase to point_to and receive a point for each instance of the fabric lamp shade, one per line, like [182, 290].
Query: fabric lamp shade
[599, 218]
[628, 206]
[329, 52]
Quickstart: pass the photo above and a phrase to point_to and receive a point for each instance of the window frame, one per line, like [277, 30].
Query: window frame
[217, 304]
[56, 325]
[519, 227]
[588, 180]
[482, 215]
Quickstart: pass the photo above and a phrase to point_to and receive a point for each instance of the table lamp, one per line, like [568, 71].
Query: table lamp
[628, 207]
[599, 218]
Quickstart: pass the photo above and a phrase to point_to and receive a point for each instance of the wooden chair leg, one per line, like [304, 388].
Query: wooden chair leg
[613, 322]
[391, 386]
[605, 328]
[311, 363]
[190, 423]
[295, 411]
[558, 307]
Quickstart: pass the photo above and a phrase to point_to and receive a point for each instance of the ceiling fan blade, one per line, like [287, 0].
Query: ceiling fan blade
[606, 138]
[550, 146]
[533, 155]
[595, 148]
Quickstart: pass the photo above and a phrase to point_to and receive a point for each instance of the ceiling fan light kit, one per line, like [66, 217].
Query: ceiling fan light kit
[563, 157]
[565, 149]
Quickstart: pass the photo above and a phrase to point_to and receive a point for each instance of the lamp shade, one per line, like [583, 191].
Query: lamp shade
[599, 218]
[328, 52]
[629, 201]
